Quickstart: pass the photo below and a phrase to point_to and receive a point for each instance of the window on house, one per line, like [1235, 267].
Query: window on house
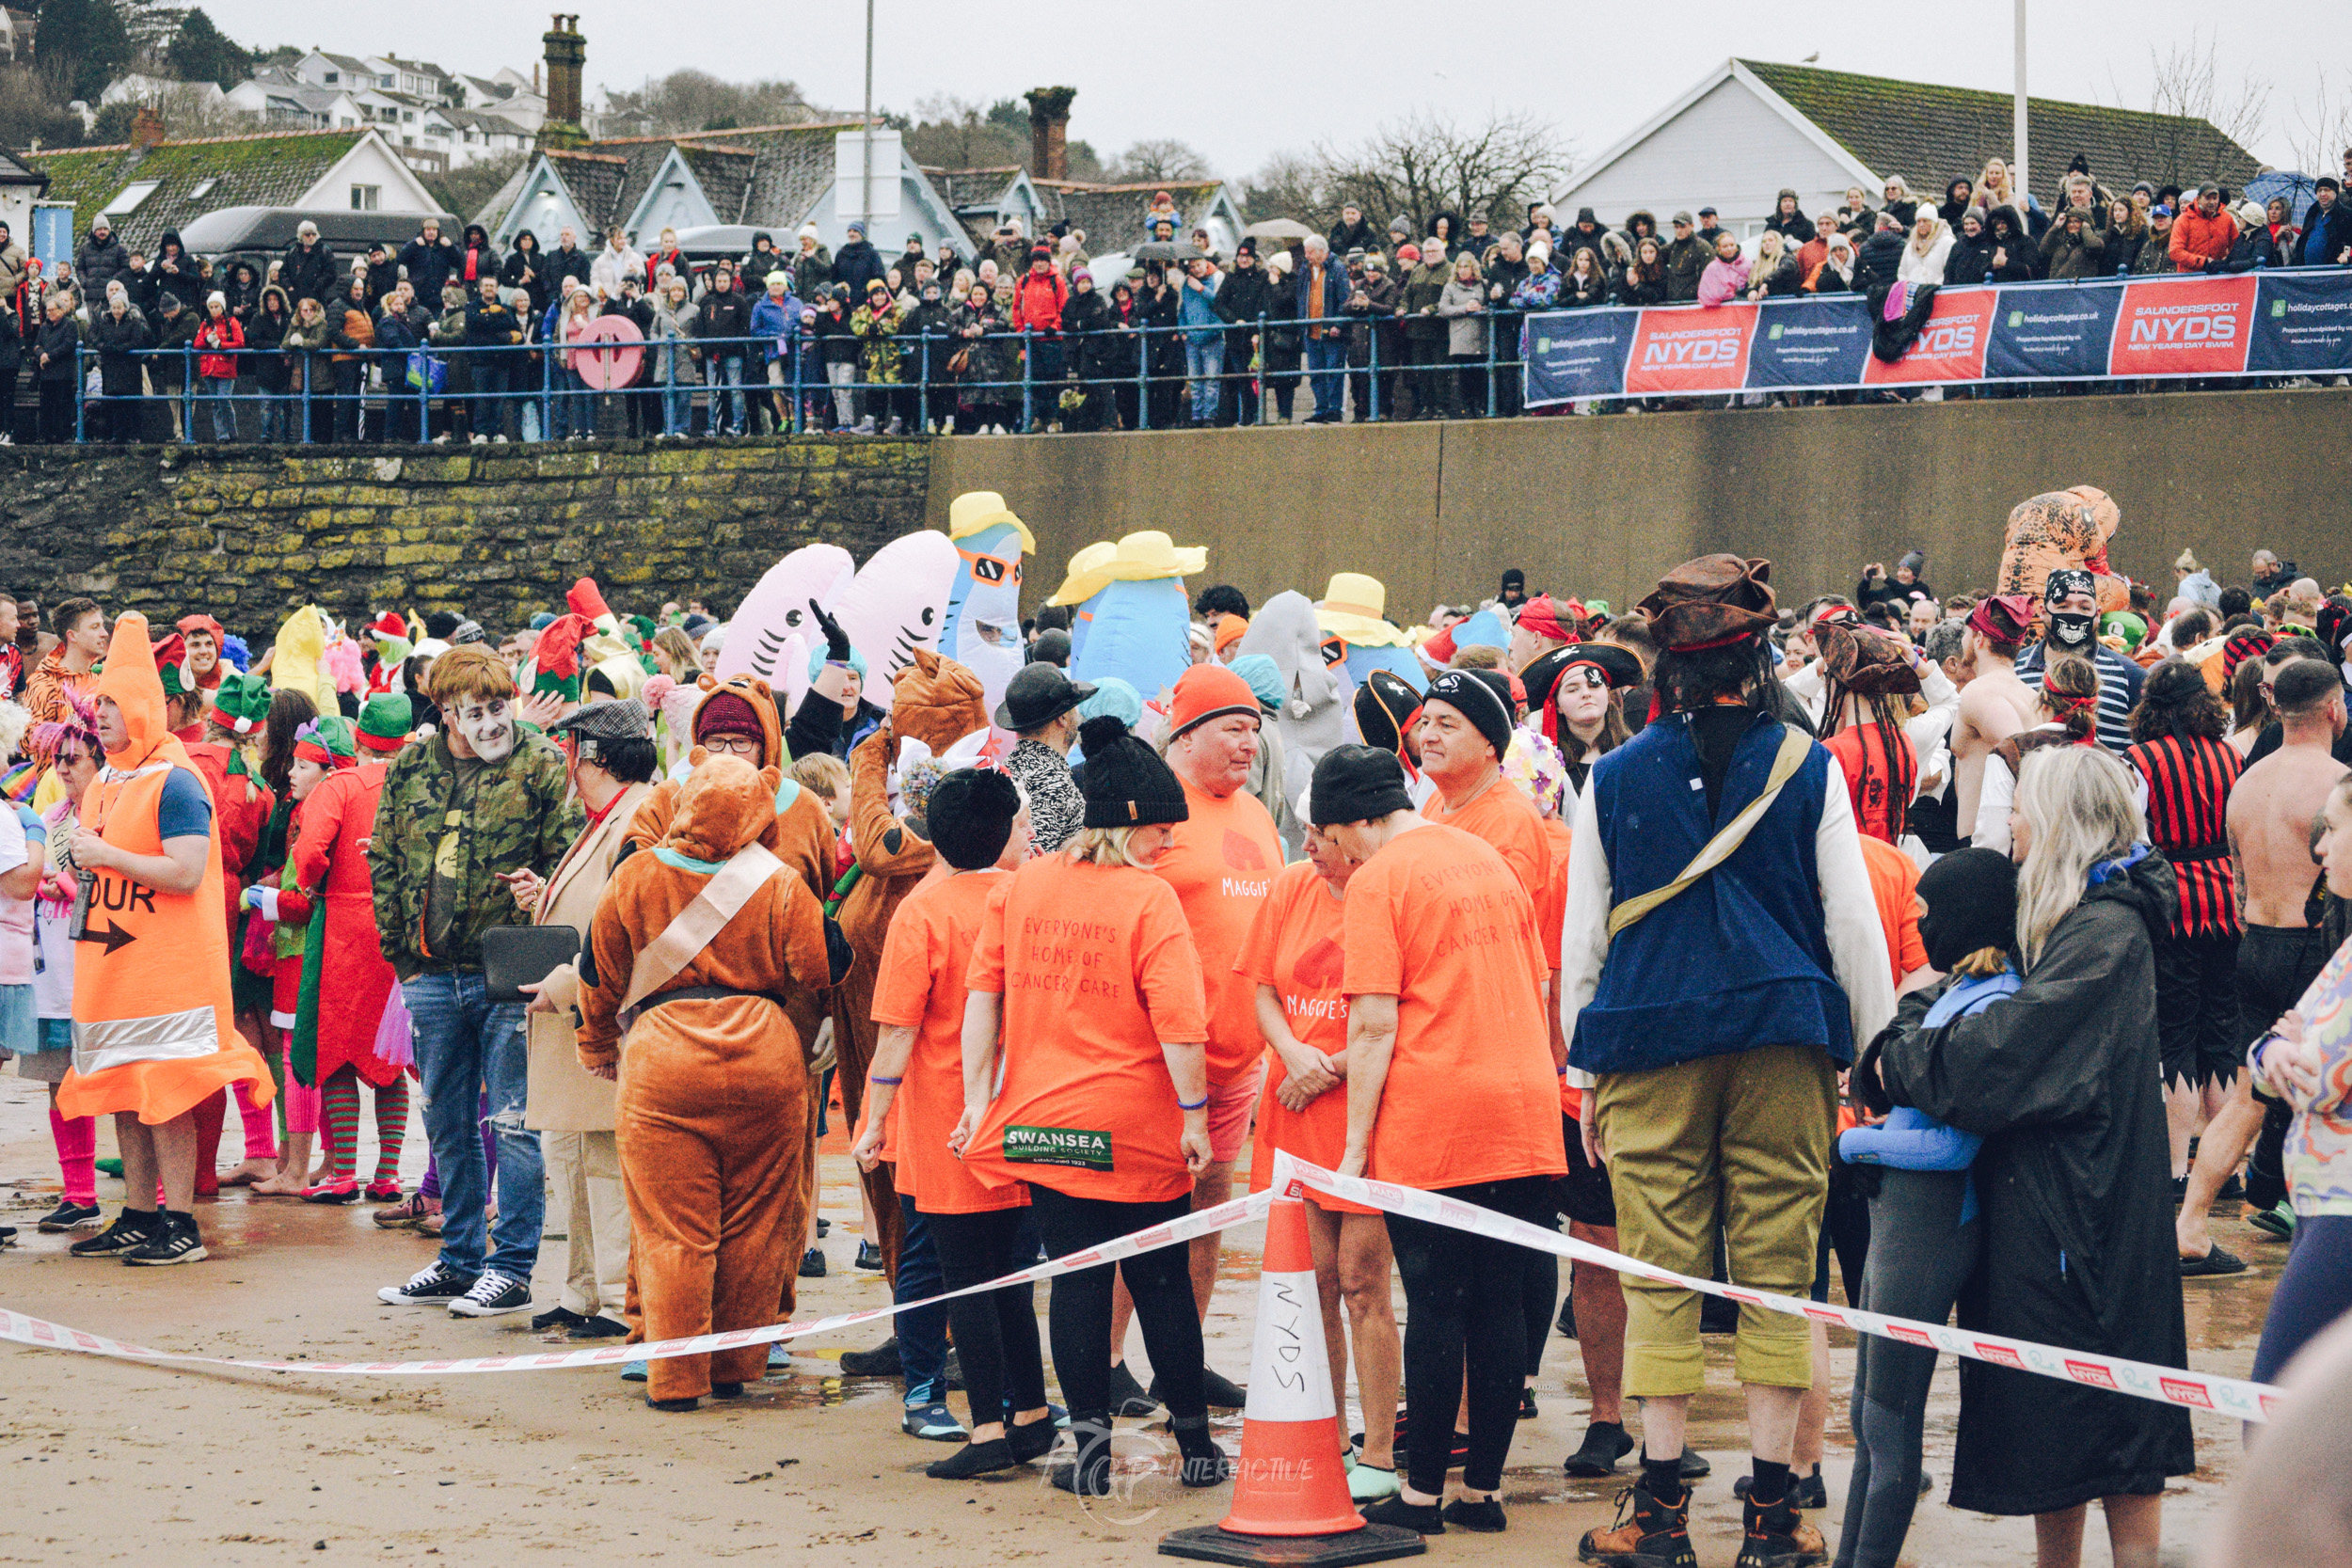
[203, 188]
[128, 203]
[330, 78]
[366, 199]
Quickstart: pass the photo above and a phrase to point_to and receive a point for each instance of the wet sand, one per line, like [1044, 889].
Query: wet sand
[116, 1462]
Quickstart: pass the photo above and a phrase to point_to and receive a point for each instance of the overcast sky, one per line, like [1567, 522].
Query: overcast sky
[1240, 80]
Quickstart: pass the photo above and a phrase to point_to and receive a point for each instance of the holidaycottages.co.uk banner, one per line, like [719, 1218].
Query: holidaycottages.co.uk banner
[2265, 322]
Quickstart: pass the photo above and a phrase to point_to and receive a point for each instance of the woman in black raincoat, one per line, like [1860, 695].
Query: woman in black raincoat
[2062, 1082]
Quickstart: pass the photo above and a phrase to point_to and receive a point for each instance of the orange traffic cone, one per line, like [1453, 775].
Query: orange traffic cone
[1290, 1486]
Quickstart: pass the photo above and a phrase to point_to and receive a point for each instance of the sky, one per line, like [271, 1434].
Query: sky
[1241, 81]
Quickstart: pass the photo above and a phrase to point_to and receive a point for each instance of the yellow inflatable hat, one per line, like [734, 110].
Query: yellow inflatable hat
[1086, 577]
[977, 508]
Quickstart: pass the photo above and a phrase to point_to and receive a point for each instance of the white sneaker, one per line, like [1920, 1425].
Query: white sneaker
[442, 440]
[498, 440]
[493, 1295]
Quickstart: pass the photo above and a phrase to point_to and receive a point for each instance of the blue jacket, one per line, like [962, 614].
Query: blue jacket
[1196, 308]
[1334, 288]
[1741, 957]
[1911, 1139]
[774, 319]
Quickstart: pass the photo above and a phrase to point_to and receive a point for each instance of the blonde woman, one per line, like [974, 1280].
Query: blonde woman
[1926, 251]
[1992, 187]
[1085, 1015]
[2063, 1083]
[1774, 270]
[574, 411]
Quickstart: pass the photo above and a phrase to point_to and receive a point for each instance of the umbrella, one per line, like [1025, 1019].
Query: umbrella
[1162, 250]
[2299, 188]
[1279, 229]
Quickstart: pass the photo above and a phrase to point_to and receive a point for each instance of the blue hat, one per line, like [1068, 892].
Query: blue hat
[542, 620]
[1115, 698]
[816, 663]
[1264, 678]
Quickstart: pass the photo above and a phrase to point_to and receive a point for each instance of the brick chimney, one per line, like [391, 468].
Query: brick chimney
[1049, 131]
[146, 128]
[566, 55]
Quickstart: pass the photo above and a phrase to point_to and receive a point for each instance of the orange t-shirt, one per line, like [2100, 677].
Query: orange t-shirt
[1439, 922]
[1895, 888]
[1097, 969]
[1294, 947]
[1222, 861]
[920, 986]
[1509, 822]
[1551, 913]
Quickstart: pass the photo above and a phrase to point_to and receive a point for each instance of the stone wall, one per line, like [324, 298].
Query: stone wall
[1601, 506]
[251, 532]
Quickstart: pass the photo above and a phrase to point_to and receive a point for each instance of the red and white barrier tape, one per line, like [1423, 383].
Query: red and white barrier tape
[2227, 1396]
[39, 1332]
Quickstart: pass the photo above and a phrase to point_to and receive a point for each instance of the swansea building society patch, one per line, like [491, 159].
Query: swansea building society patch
[1058, 1146]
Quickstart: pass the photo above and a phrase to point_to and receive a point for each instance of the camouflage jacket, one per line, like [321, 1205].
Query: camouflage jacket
[523, 815]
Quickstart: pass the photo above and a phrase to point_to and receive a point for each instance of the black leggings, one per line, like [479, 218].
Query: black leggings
[2315, 1290]
[1160, 1283]
[1920, 1256]
[997, 1333]
[1465, 1296]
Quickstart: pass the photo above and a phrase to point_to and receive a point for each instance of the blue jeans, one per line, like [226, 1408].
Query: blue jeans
[277, 415]
[571, 410]
[921, 1332]
[1205, 363]
[217, 391]
[730, 409]
[467, 1045]
[678, 407]
[1326, 359]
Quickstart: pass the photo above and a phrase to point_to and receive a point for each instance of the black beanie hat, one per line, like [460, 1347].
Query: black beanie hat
[1357, 783]
[1127, 785]
[1971, 899]
[1481, 696]
[1385, 704]
[970, 817]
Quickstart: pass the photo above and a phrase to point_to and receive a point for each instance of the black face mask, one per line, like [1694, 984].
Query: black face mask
[2073, 629]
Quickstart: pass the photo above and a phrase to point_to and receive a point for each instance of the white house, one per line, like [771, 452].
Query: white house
[285, 101]
[160, 91]
[1749, 129]
[348, 71]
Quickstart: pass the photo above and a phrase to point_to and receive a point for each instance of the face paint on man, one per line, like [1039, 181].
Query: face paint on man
[487, 726]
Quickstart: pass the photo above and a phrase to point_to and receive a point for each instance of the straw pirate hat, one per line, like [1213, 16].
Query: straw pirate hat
[1353, 607]
[1085, 578]
[977, 508]
[1148, 555]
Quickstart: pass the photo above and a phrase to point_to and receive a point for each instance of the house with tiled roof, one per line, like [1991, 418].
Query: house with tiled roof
[1111, 216]
[1750, 128]
[146, 189]
[773, 178]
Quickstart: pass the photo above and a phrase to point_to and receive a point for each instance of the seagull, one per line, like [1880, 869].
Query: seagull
[1810, 58]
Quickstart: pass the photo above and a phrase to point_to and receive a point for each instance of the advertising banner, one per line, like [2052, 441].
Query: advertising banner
[2271, 322]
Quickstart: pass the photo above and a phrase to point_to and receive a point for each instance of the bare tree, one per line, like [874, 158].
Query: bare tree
[2323, 128]
[1291, 185]
[954, 133]
[2186, 89]
[1157, 158]
[1427, 163]
[688, 101]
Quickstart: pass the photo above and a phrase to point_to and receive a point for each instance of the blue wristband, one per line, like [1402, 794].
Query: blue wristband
[1194, 1106]
[877, 1078]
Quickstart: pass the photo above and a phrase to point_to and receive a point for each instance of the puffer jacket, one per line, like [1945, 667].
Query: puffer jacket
[96, 263]
[2074, 255]
[1686, 263]
[519, 813]
[118, 339]
[1424, 286]
[1463, 306]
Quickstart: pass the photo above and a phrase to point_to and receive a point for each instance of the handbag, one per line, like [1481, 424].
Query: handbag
[426, 373]
[960, 362]
[514, 956]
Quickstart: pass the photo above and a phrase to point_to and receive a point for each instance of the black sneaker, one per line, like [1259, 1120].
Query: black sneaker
[598, 1326]
[869, 1256]
[1527, 1404]
[1778, 1537]
[132, 1228]
[2218, 1259]
[1486, 1517]
[493, 1295]
[436, 1285]
[179, 1241]
[1034, 1441]
[67, 1216]
[1695, 1465]
[1605, 1443]
[813, 1263]
[1567, 1323]
[1089, 1474]
[1222, 1392]
[1127, 1396]
[881, 1361]
[1428, 1518]
[1648, 1534]
[975, 1458]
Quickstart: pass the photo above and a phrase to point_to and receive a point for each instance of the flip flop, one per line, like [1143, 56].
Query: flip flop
[2218, 1259]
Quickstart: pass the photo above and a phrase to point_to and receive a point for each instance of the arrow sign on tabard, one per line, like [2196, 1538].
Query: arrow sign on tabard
[113, 936]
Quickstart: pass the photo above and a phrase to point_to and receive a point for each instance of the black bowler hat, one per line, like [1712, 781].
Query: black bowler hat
[1039, 694]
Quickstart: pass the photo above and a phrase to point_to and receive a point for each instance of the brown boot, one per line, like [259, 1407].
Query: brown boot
[1778, 1537]
[1648, 1534]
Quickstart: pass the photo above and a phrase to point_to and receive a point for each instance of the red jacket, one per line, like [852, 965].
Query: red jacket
[1037, 302]
[2199, 241]
[224, 338]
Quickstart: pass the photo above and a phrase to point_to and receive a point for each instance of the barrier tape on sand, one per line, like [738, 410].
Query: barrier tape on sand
[2227, 1396]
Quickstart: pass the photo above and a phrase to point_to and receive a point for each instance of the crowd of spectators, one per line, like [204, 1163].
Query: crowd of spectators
[449, 339]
